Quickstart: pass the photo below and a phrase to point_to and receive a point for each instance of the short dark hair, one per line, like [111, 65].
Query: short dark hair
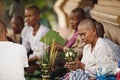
[100, 29]
[79, 12]
[34, 8]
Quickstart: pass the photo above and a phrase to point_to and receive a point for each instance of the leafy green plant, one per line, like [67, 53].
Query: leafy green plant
[49, 59]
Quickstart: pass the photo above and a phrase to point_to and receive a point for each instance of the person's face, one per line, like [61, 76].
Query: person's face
[74, 21]
[15, 28]
[31, 18]
[87, 34]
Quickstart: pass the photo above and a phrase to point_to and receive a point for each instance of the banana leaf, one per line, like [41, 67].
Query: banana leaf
[50, 35]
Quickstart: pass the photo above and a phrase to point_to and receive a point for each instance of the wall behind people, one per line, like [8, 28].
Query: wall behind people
[108, 12]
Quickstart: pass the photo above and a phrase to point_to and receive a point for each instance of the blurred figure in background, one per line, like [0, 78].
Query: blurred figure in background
[13, 58]
[17, 24]
[89, 7]
[34, 32]
[75, 43]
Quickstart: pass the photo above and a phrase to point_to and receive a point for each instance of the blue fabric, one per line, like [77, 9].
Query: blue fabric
[104, 77]
[119, 64]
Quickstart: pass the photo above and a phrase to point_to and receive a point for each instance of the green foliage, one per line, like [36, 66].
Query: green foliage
[46, 58]
[46, 6]
[50, 35]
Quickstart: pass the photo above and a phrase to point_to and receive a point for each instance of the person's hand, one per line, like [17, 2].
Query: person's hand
[58, 46]
[80, 65]
[65, 49]
[75, 65]
[72, 65]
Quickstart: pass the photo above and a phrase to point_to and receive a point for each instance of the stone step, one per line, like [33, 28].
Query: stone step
[70, 5]
[108, 9]
[109, 18]
[115, 3]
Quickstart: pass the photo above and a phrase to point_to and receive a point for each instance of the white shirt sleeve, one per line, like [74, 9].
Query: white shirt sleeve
[25, 59]
[25, 39]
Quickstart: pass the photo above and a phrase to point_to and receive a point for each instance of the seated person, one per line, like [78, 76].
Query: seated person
[33, 35]
[76, 16]
[36, 31]
[13, 58]
[95, 53]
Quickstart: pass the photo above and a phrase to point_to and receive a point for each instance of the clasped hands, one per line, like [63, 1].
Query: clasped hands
[75, 65]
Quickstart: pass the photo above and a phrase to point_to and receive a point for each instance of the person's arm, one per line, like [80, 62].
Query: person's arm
[75, 65]
[71, 65]
[72, 40]
[25, 59]
[34, 58]
[80, 65]
[59, 47]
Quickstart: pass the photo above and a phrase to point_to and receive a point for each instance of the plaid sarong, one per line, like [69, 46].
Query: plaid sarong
[79, 74]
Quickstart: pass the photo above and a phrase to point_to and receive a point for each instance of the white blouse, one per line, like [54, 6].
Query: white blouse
[34, 43]
[98, 57]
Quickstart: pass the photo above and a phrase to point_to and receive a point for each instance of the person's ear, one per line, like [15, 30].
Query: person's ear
[94, 31]
[38, 17]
